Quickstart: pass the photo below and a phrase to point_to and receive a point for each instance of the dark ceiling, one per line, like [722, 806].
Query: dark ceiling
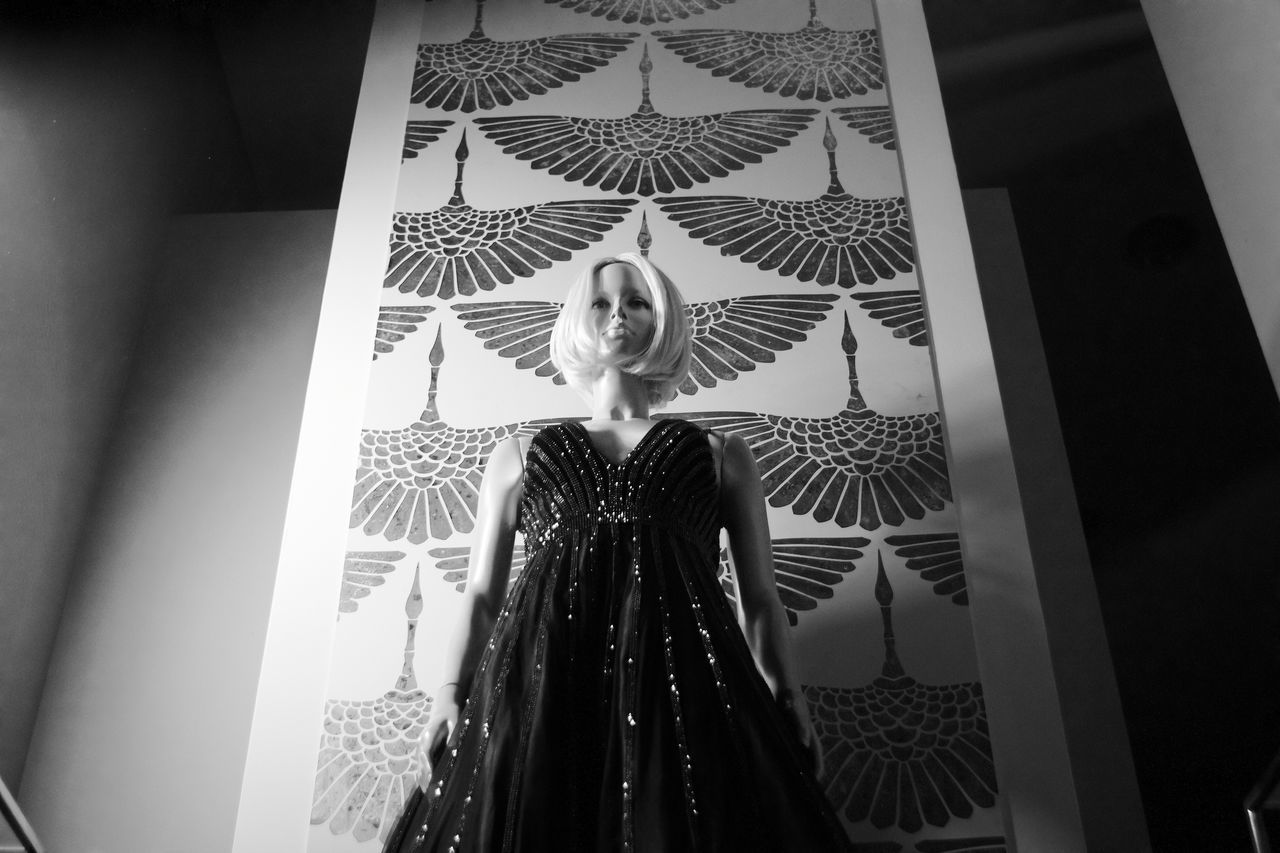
[1168, 413]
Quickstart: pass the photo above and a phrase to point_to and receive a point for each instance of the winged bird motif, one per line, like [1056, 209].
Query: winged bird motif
[856, 467]
[646, 152]
[423, 480]
[420, 134]
[833, 239]
[986, 844]
[641, 11]
[454, 563]
[899, 310]
[936, 556]
[459, 248]
[901, 752]
[729, 335]
[814, 62]
[519, 330]
[366, 767]
[362, 571]
[806, 570]
[479, 73]
[395, 323]
[875, 123]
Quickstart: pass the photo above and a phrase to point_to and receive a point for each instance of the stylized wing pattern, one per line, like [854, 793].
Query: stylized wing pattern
[832, 239]
[646, 152]
[479, 73]
[641, 11]
[729, 335]
[366, 765]
[734, 335]
[361, 572]
[454, 563]
[424, 480]
[420, 134]
[859, 468]
[876, 123]
[902, 753]
[936, 556]
[905, 753]
[461, 249]
[519, 330]
[395, 323]
[806, 570]
[812, 63]
[856, 467]
[900, 310]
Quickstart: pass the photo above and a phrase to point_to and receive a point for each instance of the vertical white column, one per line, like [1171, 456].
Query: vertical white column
[280, 768]
[1223, 64]
[1034, 669]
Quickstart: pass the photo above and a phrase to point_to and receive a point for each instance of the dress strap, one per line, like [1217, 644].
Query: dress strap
[719, 458]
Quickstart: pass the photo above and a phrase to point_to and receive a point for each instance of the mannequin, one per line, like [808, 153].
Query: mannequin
[652, 722]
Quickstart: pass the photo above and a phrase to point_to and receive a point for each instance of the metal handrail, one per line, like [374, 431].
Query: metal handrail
[17, 822]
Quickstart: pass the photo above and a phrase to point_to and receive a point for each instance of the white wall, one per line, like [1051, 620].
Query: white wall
[90, 163]
[140, 742]
[1223, 64]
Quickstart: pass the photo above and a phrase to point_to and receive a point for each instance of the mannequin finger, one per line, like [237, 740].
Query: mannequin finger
[439, 742]
[424, 773]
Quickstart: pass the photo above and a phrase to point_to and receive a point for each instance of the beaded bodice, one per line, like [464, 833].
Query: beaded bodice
[668, 480]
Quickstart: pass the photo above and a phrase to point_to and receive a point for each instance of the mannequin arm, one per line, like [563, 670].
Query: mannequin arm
[489, 570]
[760, 613]
[490, 562]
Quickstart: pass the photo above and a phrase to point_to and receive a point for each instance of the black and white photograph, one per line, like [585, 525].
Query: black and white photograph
[640, 426]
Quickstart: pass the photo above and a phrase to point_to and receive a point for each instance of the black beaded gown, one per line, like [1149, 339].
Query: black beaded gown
[616, 706]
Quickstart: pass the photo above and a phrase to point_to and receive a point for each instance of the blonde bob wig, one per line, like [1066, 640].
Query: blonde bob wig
[663, 365]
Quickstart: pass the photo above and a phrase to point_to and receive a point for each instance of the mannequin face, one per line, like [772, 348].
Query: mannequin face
[621, 312]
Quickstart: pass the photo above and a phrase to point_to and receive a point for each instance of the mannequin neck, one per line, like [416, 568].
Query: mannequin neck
[618, 396]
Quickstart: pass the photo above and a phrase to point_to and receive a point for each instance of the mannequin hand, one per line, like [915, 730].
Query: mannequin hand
[796, 709]
[439, 730]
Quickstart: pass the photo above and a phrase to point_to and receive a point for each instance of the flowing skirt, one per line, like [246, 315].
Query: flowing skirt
[617, 707]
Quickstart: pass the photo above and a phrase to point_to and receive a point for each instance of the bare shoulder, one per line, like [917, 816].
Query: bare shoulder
[738, 460]
[505, 469]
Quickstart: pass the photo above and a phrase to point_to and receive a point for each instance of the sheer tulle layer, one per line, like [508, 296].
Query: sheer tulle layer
[616, 706]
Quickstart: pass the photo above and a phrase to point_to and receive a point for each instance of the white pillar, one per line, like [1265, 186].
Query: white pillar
[1061, 750]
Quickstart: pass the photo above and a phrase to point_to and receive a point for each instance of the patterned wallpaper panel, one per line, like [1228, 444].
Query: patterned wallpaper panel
[749, 147]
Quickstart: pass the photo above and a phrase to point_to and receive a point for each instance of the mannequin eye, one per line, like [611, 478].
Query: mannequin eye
[599, 302]
[637, 302]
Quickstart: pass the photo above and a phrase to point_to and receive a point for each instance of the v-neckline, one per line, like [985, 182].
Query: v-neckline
[586, 436]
